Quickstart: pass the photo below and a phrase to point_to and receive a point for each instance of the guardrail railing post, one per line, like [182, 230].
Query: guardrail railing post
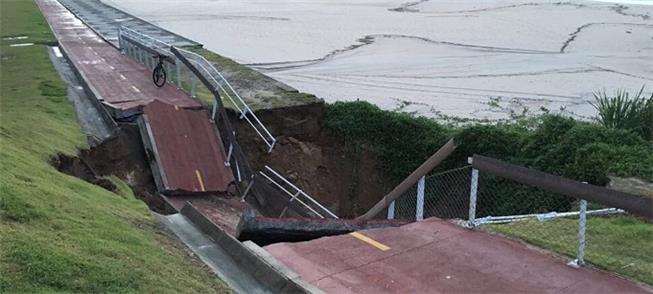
[214, 110]
[166, 65]
[473, 190]
[193, 86]
[249, 187]
[150, 60]
[419, 208]
[132, 50]
[121, 44]
[391, 210]
[582, 226]
[227, 161]
[178, 70]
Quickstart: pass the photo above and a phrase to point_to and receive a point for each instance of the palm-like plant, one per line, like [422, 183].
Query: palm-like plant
[625, 112]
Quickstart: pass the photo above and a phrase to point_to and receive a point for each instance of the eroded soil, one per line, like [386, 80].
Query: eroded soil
[343, 177]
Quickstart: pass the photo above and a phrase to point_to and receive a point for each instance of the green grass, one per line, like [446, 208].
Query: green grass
[59, 233]
[621, 244]
[258, 90]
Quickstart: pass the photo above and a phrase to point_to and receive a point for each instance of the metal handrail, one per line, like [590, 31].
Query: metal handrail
[210, 72]
[244, 109]
[542, 216]
[298, 192]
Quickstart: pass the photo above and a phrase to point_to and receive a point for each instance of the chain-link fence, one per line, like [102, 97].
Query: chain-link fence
[582, 231]
[444, 195]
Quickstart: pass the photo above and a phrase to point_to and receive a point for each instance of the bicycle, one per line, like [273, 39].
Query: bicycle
[159, 73]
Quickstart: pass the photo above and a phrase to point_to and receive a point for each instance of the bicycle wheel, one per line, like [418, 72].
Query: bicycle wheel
[159, 76]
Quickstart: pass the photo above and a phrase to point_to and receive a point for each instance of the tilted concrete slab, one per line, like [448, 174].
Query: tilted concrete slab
[185, 149]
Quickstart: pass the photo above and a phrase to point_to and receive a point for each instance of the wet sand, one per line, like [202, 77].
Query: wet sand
[473, 59]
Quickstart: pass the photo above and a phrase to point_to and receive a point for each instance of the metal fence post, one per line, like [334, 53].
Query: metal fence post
[249, 186]
[166, 65]
[177, 61]
[132, 51]
[472, 199]
[121, 43]
[214, 109]
[150, 60]
[391, 210]
[193, 86]
[419, 209]
[227, 162]
[141, 58]
[582, 225]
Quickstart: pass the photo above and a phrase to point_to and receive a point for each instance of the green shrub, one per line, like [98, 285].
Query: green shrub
[624, 112]
[595, 161]
[497, 141]
[402, 142]
[555, 144]
[559, 156]
[549, 131]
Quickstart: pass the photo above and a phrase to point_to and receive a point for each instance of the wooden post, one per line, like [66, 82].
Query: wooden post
[422, 170]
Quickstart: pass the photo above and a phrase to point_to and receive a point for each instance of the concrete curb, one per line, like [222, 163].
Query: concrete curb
[251, 258]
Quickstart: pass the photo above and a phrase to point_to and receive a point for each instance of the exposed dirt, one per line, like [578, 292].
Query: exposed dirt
[342, 177]
[122, 156]
[78, 167]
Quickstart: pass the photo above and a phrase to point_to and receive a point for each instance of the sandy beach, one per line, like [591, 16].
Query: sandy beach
[472, 59]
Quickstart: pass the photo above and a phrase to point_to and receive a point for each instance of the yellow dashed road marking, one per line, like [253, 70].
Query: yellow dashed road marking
[136, 89]
[122, 77]
[199, 179]
[370, 241]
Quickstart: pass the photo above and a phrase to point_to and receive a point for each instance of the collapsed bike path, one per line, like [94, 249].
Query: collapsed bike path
[185, 152]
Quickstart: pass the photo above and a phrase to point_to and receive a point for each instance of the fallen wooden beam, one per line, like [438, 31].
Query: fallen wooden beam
[407, 183]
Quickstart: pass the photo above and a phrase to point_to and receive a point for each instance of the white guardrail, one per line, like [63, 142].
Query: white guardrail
[212, 74]
[285, 185]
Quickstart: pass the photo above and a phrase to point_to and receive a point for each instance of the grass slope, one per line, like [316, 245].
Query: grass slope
[59, 233]
[620, 244]
[257, 90]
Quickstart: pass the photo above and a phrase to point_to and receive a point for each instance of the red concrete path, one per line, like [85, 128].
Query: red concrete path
[116, 79]
[435, 256]
[188, 151]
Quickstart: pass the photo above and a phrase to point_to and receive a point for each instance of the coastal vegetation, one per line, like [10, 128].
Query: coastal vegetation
[623, 111]
[582, 150]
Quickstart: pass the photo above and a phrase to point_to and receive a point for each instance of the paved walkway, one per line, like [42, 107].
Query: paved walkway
[188, 153]
[115, 79]
[435, 256]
